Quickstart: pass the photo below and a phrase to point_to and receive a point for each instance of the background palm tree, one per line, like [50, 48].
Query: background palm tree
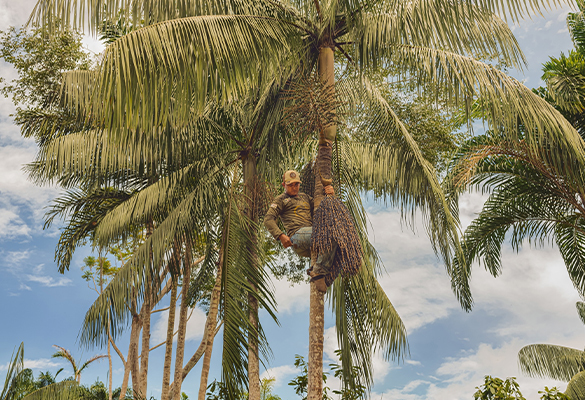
[536, 193]
[557, 362]
[77, 369]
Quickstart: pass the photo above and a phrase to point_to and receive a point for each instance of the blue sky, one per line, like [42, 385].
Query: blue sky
[450, 350]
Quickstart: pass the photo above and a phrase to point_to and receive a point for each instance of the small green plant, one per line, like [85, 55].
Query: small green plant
[552, 394]
[497, 389]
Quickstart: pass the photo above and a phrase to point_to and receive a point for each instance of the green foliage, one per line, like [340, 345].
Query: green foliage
[350, 390]
[266, 385]
[497, 389]
[40, 60]
[301, 381]
[552, 394]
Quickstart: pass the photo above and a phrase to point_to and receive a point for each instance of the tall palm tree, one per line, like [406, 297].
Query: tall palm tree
[77, 369]
[557, 362]
[189, 52]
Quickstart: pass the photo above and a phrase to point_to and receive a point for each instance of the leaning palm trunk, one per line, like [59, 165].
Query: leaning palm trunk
[209, 333]
[317, 303]
[169, 342]
[250, 188]
[175, 392]
[175, 268]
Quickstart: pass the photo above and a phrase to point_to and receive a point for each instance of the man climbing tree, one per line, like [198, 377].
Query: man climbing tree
[295, 210]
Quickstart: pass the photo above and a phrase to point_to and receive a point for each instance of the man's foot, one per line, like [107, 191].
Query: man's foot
[319, 281]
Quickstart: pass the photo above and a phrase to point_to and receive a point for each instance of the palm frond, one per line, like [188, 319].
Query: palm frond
[15, 368]
[550, 361]
[576, 387]
[164, 73]
[65, 390]
[434, 24]
[508, 102]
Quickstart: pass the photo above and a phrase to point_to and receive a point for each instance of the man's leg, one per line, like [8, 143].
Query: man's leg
[325, 261]
[301, 241]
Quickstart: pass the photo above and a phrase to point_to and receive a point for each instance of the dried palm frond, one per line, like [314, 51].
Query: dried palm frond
[333, 224]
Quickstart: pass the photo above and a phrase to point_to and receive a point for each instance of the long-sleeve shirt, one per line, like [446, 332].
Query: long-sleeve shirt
[295, 212]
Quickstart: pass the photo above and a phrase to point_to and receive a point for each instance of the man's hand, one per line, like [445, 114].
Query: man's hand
[285, 240]
[329, 189]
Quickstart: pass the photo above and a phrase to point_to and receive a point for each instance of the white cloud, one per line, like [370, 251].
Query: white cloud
[466, 372]
[281, 374]
[11, 225]
[16, 257]
[48, 280]
[40, 363]
[412, 362]
[291, 299]
[195, 325]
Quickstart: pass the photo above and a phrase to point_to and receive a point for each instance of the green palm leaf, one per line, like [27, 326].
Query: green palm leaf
[556, 362]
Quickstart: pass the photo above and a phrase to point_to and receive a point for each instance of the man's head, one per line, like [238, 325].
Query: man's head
[291, 182]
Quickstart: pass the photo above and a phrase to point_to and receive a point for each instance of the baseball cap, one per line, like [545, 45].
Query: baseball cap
[291, 176]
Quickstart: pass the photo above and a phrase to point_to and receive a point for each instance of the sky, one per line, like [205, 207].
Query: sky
[533, 301]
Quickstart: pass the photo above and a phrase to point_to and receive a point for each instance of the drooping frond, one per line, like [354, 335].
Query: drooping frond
[366, 321]
[164, 73]
[508, 103]
[550, 361]
[13, 374]
[83, 211]
[434, 24]
[401, 175]
[79, 14]
[241, 278]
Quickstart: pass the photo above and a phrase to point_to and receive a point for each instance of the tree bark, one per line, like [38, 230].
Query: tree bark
[175, 269]
[145, 317]
[169, 342]
[209, 333]
[317, 303]
[110, 393]
[178, 380]
[250, 190]
[133, 350]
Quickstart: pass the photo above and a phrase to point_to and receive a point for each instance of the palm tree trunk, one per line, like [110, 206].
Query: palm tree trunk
[175, 393]
[133, 349]
[175, 269]
[250, 179]
[127, 368]
[110, 393]
[169, 342]
[210, 324]
[145, 318]
[317, 301]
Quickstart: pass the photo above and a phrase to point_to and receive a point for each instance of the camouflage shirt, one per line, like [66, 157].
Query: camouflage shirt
[295, 212]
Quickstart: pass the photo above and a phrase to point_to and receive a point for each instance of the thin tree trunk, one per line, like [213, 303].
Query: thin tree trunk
[175, 271]
[317, 303]
[181, 335]
[169, 342]
[127, 364]
[250, 180]
[210, 324]
[133, 350]
[145, 350]
[145, 317]
[110, 393]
